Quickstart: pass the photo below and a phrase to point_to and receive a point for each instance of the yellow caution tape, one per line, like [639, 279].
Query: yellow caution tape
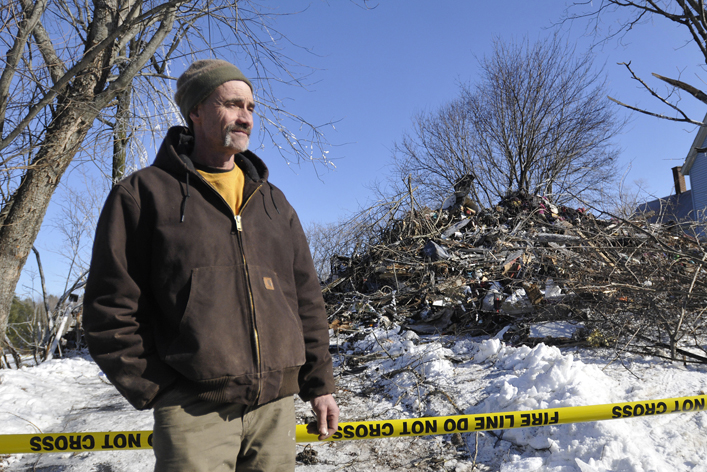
[132, 440]
[506, 420]
[75, 442]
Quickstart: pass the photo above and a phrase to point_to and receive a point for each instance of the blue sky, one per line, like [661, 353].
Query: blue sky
[377, 68]
[373, 70]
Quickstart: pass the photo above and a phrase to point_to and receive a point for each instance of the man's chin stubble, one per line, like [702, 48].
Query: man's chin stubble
[228, 142]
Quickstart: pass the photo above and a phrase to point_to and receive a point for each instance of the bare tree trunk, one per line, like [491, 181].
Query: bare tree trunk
[13, 351]
[76, 109]
[31, 200]
[71, 122]
[121, 131]
[120, 136]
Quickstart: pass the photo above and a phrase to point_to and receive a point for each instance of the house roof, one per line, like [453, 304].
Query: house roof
[697, 143]
[675, 208]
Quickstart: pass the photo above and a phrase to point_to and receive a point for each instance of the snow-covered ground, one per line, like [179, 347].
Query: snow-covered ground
[392, 373]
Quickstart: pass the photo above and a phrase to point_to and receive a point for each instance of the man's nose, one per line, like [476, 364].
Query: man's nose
[245, 117]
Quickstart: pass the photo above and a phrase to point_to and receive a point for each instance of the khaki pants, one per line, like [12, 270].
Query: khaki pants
[191, 435]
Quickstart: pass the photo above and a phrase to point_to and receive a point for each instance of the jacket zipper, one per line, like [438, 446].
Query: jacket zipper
[239, 231]
[256, 338]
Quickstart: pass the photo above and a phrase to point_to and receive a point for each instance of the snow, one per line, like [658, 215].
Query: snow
[394, 373]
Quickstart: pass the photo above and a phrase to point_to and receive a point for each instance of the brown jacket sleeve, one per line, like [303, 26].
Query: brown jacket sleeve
[117, 305]
[316, 377]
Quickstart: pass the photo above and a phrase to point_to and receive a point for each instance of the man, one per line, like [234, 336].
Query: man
[202, 301]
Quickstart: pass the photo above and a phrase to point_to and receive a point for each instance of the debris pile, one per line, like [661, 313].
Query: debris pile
[526, 261]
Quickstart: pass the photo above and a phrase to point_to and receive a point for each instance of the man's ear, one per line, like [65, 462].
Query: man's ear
[194, 114]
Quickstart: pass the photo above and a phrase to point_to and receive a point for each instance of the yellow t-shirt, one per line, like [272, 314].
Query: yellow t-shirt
[228, 183]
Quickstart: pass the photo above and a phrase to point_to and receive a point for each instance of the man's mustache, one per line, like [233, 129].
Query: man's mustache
[237, 127]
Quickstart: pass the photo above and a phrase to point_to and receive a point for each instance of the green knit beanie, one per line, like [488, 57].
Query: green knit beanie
[202, 78]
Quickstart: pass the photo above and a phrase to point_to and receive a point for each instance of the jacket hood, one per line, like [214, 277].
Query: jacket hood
[173, 156]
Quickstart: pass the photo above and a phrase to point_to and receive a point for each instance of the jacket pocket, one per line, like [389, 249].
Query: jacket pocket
[277, 320]
[215, 336]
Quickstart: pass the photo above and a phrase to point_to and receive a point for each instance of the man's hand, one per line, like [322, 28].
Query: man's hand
[327, 415]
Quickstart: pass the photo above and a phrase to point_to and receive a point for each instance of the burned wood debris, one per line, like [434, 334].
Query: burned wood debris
[625, 284]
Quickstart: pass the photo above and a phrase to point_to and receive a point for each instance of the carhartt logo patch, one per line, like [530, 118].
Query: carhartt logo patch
[268, 283]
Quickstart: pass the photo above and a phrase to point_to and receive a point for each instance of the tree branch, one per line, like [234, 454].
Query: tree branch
[695, 92]
[15, 53]
[53, 62]
[657, 115]
[87, 60]
[41, 278]
[684, 119]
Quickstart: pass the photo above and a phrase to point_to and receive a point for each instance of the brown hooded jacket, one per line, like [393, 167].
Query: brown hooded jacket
[182, 290]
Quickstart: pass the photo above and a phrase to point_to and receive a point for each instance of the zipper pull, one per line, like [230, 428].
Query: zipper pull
[239, 227]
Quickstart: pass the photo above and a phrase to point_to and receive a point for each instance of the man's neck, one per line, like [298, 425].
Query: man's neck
[217, 160]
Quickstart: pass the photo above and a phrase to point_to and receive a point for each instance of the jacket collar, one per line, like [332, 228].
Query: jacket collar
[173, 156]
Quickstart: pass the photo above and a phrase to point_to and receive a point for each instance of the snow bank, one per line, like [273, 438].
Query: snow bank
[416, 376]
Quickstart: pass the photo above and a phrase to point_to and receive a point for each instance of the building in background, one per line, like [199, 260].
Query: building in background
[674, 208]
[684, 207]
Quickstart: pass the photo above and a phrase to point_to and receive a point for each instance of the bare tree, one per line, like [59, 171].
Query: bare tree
[344, 239]
[323, 240]
[79, 79]
[613, 19]
[437, 152]
[622, 200]
[337, 247]
[537, 121]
